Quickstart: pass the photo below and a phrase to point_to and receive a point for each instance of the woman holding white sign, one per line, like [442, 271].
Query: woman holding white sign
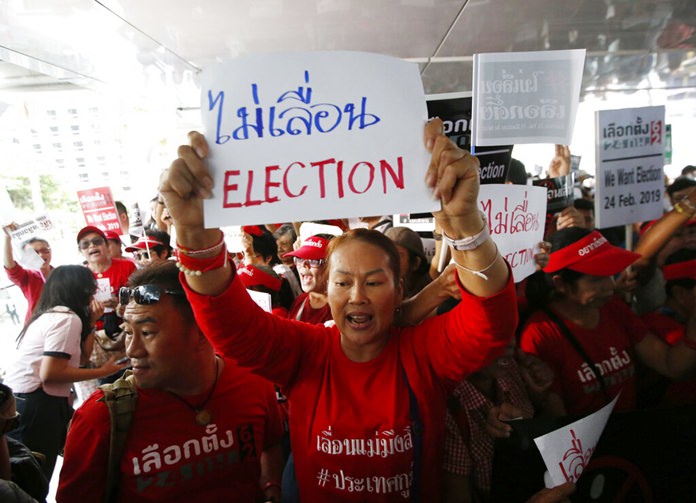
[367, 398]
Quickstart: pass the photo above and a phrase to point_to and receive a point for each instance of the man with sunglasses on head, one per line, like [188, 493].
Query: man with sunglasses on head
[310, 260]
[203, 428]
[29, 281]
[110, 274]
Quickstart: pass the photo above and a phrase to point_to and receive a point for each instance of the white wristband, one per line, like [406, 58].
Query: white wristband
[469, 242]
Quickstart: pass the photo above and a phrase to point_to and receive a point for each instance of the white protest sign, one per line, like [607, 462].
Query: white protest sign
[314, 135]
[567, 451]
[32, 228]
[516, 215]
[309, 229]
[233, 238]
[262, 299]
[30, 259]
[630, 151]
[526, 97]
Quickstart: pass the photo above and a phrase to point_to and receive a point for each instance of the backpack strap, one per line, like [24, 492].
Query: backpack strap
[579, 349]
[120, 398]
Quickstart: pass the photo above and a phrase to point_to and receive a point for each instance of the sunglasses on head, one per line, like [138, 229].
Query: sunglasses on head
[86, 243]
[312, 262]
[144, 294]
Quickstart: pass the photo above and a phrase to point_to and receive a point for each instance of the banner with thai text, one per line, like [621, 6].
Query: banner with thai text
[630, 149]
[516, 215]
[526, 97]
[312, 136]
[99, 209]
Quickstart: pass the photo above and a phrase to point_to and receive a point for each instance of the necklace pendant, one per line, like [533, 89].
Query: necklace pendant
[203, 417]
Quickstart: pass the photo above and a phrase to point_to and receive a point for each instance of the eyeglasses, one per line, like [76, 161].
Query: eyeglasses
[144, 294]
[314, 263]
[86, 243]
[142, 255]
[43, 250]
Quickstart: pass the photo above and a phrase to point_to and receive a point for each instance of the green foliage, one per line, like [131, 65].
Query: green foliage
[19, 190]
[54, 195]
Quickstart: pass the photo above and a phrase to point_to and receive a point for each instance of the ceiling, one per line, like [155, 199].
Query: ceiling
[155, 48]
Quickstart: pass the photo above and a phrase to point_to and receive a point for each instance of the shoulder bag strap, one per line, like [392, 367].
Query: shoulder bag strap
[580, 350]
[417, 426]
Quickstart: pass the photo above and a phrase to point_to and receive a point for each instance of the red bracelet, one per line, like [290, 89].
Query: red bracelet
[190, 251]
[194, 266]
[689, 343]
[270, 484]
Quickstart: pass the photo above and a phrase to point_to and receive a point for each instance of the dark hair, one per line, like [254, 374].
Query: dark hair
[688, 169]
[681, 183]
[72, 286]
[371, 237]
[266, 246]
[120, 208]
[162, 237]
[517, 174]
[583, 204]
[540, 288]
[682, 255]
[165, 275]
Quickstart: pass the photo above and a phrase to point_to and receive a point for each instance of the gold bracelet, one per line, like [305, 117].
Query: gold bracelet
[480, 272]
[679, 208]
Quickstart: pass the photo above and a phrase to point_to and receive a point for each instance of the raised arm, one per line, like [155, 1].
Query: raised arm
[453, 175]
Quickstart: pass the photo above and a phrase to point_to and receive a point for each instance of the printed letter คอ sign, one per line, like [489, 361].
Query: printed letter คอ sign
[314, 135]
[526, 97]
[567, 451]
[516, 216]
[630, 158]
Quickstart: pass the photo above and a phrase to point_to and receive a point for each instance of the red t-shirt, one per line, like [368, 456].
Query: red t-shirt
[117, 273]
[672, 331]
[168, 457]
[350, 425]
[30, 282]
[609, 345]
[309, 314]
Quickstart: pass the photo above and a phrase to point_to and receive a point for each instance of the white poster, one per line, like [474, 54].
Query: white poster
[567, 451]
[516, 215]
[630, 151]
[314, 135]
[526, 97]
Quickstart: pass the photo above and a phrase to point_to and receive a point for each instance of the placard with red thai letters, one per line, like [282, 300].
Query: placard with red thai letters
[99, 209]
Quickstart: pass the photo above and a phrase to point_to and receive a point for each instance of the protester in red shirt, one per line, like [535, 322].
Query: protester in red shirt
[367, 399]
[576, 291]
[29, 281]
[676, 320]
[203, 428]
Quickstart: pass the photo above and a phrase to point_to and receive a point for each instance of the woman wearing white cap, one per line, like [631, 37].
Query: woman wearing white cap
[589, 337]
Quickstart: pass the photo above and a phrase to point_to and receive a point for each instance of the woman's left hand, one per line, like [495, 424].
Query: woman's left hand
[453, 175]
[96, 309]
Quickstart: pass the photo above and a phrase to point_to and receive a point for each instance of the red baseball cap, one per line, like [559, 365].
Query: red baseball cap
[90, 229]
[143, 243]
[112, 236]
[253, 276]
[593, 255]
[313, 248]
[680, 270]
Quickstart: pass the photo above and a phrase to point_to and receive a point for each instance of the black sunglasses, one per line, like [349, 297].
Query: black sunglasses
[144, 294]
[86, 243]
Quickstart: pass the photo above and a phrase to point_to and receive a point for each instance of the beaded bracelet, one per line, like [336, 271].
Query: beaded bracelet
[195, 266]
[480, 272]
[193, 253]
[469, 242]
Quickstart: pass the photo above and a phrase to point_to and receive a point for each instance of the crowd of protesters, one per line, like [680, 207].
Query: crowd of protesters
[370, 375]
